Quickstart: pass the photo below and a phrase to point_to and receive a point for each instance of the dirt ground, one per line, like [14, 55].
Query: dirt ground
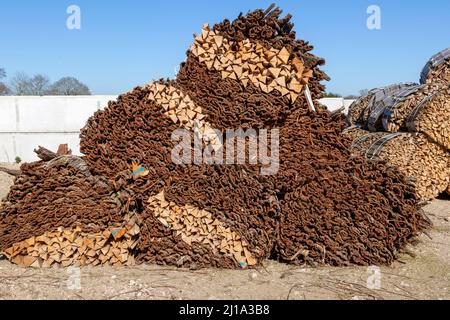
[422, 274]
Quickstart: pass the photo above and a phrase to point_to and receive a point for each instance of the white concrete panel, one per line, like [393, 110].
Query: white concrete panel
[26, 143]
[332, 103]
[347, 104]
[7, 152]
[8, 114]
[57, 114]
[29, 122]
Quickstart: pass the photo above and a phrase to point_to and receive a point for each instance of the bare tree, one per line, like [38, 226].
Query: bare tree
[4, 90]
[20, 84]
[40, 85]
[23, 85]
[69, 86]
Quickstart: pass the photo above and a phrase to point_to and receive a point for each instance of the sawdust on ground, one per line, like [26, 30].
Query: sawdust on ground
[423, 273]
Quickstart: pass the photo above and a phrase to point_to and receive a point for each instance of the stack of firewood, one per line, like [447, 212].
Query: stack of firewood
[67, 247]
[420, 109]
[424, 162]
[374, 101]
[268, 69]
[437, 69]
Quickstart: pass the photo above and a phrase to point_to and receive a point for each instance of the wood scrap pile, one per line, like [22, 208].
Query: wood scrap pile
[323, 206]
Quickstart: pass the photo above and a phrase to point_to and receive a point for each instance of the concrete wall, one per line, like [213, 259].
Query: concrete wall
[28, 122]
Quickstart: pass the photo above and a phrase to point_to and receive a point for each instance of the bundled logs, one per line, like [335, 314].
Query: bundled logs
[425, 163]
[437, 69]
[419, 115]
[126, 201]
[395, 116]
[432, 117]
[374, 101]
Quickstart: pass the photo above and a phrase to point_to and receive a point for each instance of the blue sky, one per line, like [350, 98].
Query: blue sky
[123, 44]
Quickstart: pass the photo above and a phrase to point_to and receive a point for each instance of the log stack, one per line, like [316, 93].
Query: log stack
[374, 102]
[268, 69]
[251, 72]
[395, 116]
[68, 247]
[323, 206]
[425, 163]
[419, 115]
[432, 117]
[195, 225]
[437, 69]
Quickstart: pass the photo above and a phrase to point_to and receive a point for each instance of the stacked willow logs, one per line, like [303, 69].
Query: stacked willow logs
[323, 206]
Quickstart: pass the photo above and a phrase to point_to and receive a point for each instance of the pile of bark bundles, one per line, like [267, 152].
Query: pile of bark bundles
[127, 202]
[408, 125]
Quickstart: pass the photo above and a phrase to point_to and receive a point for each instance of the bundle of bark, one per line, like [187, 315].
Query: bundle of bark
[323, 206]
[251, 72]
[315, 158]
[337, 208]
[58, 213]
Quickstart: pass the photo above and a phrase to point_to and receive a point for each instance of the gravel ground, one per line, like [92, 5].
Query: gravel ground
[422, 274]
